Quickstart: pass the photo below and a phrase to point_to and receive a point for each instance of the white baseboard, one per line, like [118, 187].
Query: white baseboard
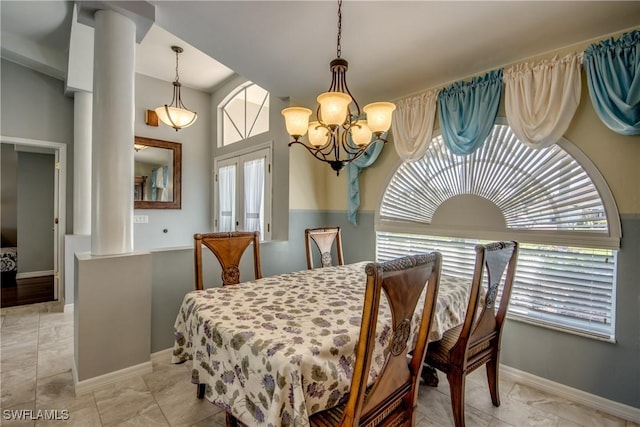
[167, 352]
[68, 308]
[30, 274]
[92, 384]
[617, 409]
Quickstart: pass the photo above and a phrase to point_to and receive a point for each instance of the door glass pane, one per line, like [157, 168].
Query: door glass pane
[227, 194]
[254, 195]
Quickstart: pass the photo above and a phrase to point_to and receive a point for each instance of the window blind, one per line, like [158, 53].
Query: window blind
[566, 287]
[534, 189]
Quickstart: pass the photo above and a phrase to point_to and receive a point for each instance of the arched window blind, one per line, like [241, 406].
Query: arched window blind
[559, 208]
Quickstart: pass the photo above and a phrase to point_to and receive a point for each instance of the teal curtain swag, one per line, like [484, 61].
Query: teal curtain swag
[353, 171]
[467, 111]
[613, 77]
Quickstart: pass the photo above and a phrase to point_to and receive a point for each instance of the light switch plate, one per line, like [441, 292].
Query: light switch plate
[140, 219]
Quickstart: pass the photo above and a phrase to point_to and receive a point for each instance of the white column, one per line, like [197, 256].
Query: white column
[113, 135]
[82, 114]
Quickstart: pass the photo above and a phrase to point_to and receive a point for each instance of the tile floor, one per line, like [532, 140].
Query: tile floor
[36, 348]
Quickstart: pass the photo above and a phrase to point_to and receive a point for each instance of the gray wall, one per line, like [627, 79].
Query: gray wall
[34, 106]
[35, 211]
[597, 367]
[9, 195]
[173, 270]
[605, 369]
[181, 224]
[112, 313]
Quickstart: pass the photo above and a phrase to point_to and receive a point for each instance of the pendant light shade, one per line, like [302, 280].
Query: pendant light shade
[318, 135]
[176, 114]
[379, 116]
[334, 107]
[177, 118]
[296, 119]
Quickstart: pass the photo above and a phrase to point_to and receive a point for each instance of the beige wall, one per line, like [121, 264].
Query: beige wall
[307, 180]
[616, 157]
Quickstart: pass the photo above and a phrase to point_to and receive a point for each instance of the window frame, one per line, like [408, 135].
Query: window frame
[238, 158]
[222, 113]
[587, 240]
[610, 240]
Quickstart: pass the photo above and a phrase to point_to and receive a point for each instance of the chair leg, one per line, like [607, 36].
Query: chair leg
[492, 378]
[200, 391]
[456, 386]
[429, 375]
[231, 421]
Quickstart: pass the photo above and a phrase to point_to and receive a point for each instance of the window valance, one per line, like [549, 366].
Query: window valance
[542, 98]
[613, 75]
[412, 125]
[467, 111]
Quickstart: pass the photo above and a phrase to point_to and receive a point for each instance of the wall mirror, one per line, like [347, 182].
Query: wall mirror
[157, 174]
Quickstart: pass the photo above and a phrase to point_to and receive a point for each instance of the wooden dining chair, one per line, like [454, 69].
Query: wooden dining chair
[476, 341]
[392, 398]
[324, 239]
[228, 249]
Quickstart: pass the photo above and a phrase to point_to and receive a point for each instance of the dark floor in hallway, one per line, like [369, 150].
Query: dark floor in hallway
[27, 291]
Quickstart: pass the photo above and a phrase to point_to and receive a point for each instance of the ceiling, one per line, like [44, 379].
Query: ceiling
[394, 48]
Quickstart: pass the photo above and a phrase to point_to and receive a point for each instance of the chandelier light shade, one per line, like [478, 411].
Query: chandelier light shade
[176, 114]
[297, 120]
[339, 134]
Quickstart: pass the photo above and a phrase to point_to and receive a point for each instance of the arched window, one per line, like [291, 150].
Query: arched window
[242, 174]
[244, 113]
[554, 201]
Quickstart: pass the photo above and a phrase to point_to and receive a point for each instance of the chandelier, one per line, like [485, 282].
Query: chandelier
[339, 134]
[176, 114]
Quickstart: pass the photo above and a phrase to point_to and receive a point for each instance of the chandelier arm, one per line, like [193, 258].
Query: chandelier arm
[349, 148]
[180, 103]
[315, 151]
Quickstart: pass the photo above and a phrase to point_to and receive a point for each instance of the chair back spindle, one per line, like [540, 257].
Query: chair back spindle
[324, 240]
[228, 248]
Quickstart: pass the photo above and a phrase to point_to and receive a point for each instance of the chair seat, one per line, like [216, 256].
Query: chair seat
[395, 415]
[438, 351]
[329, 417]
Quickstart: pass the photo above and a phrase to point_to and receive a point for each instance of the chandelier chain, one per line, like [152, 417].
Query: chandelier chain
[177, 76]
[339, 47]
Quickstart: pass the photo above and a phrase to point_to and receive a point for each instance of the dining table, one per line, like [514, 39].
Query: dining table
[275, 350]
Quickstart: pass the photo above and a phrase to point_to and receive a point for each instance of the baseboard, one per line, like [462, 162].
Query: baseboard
[163, 353]
[92, 384]
[611, 407]
[68, 308]
[31, 274]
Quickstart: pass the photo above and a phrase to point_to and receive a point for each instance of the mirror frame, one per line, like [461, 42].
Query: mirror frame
[176, 148]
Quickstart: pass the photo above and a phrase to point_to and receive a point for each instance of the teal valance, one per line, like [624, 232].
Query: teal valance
[467, 111]
[613, 76]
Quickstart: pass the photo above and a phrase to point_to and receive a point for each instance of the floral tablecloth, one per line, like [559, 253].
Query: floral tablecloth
[275, 350]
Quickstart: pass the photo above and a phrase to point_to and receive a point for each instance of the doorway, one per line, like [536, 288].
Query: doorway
[38, 215]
